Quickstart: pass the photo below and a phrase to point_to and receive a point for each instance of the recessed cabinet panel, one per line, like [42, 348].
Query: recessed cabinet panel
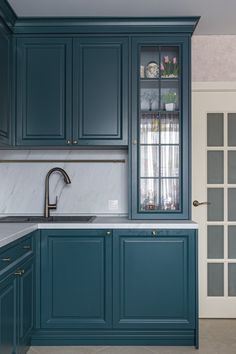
[5, 47]
[154, 279]
[44, 91]
[100, 91]
[8, 292]
[75, 288]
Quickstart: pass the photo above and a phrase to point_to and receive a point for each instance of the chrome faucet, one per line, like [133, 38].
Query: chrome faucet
[47, 205]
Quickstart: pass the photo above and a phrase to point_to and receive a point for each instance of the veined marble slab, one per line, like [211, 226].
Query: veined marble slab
[12, 231]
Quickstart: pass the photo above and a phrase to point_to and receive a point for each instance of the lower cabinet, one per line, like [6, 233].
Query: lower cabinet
[16, 298]
[117, 287]
[76, 279]
[154, 279]
[8, 323]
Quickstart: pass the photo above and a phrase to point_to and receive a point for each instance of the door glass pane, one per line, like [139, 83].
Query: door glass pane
[169, 194]
[232, 279]
[232, 166]
[149, 165]
[215, 210]
[215, 129]
[149, 194]
[215, 242]
[149, 62]
[232, 204]
[149, 96]
[232, 241]
[215, 167]
[169, 161]
[170, 95]
[170, 67]
[215, 280]
[159, 128]
[231, 129]
[149, 129]
[170, 128]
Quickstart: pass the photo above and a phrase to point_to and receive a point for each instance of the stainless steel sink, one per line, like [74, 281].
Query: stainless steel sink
[51, 219]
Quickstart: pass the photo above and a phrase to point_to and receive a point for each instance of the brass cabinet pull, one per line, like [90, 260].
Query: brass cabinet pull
[196, 203]
[27, 247]
[7, 259]
[19, 272]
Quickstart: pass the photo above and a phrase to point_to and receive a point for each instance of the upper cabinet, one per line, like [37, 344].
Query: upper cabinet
[100, 91]
[5, 87]
[44, 89]
[160, 127]
[65, 102]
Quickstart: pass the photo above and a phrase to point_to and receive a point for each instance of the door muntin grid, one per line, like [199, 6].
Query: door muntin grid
[221, 213]
[159, 140]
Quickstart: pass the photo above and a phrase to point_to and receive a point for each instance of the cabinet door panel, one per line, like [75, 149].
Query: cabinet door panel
[100, 91]
[160, 128]
[5, 47]
[43, 91]
[8, 316]
[75, 279]
[26, 297]
[153, 286]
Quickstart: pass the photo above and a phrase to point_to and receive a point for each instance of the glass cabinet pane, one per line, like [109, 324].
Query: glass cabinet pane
[159, 129]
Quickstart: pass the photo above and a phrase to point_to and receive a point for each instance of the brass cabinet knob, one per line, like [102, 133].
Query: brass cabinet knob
[7, 259]
[68, 142]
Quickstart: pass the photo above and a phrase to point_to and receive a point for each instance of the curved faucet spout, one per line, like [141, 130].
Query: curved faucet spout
[47, 205]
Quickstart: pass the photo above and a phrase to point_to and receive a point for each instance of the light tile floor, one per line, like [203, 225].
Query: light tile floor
[216, 337]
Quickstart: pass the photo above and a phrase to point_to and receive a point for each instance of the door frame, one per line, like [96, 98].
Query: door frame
[211, 87]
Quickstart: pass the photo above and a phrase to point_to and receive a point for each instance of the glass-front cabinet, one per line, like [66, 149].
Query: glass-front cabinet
[160, 128]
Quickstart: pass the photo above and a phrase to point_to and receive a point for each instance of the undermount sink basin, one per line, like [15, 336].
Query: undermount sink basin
[51, 219]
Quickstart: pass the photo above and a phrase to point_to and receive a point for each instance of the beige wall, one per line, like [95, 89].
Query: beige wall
[214, 58]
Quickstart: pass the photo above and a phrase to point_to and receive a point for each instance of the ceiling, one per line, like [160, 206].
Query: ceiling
[217, 16]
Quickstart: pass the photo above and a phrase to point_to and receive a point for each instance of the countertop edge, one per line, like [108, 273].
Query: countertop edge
[12, 231]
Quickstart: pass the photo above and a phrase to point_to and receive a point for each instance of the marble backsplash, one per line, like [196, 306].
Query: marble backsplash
[94, 187]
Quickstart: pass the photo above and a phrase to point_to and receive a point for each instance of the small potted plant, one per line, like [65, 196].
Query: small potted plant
[169, 100]
[169, 67]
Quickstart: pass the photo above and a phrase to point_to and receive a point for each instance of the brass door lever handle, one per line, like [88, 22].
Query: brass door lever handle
[196, 203]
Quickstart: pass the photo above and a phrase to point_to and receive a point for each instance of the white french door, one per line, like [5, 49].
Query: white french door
[214, 181]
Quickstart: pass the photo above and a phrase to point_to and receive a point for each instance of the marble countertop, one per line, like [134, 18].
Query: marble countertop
[12, 231]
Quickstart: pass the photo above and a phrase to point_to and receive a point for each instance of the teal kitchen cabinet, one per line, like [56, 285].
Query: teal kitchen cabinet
[100, 91]
[120, 287]
[65, 101]
[44, 80]
[76, 279]
[155, 279]
[160, 132]
[17, 296]
[5, 85]
[26, 306]
[8, 323]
